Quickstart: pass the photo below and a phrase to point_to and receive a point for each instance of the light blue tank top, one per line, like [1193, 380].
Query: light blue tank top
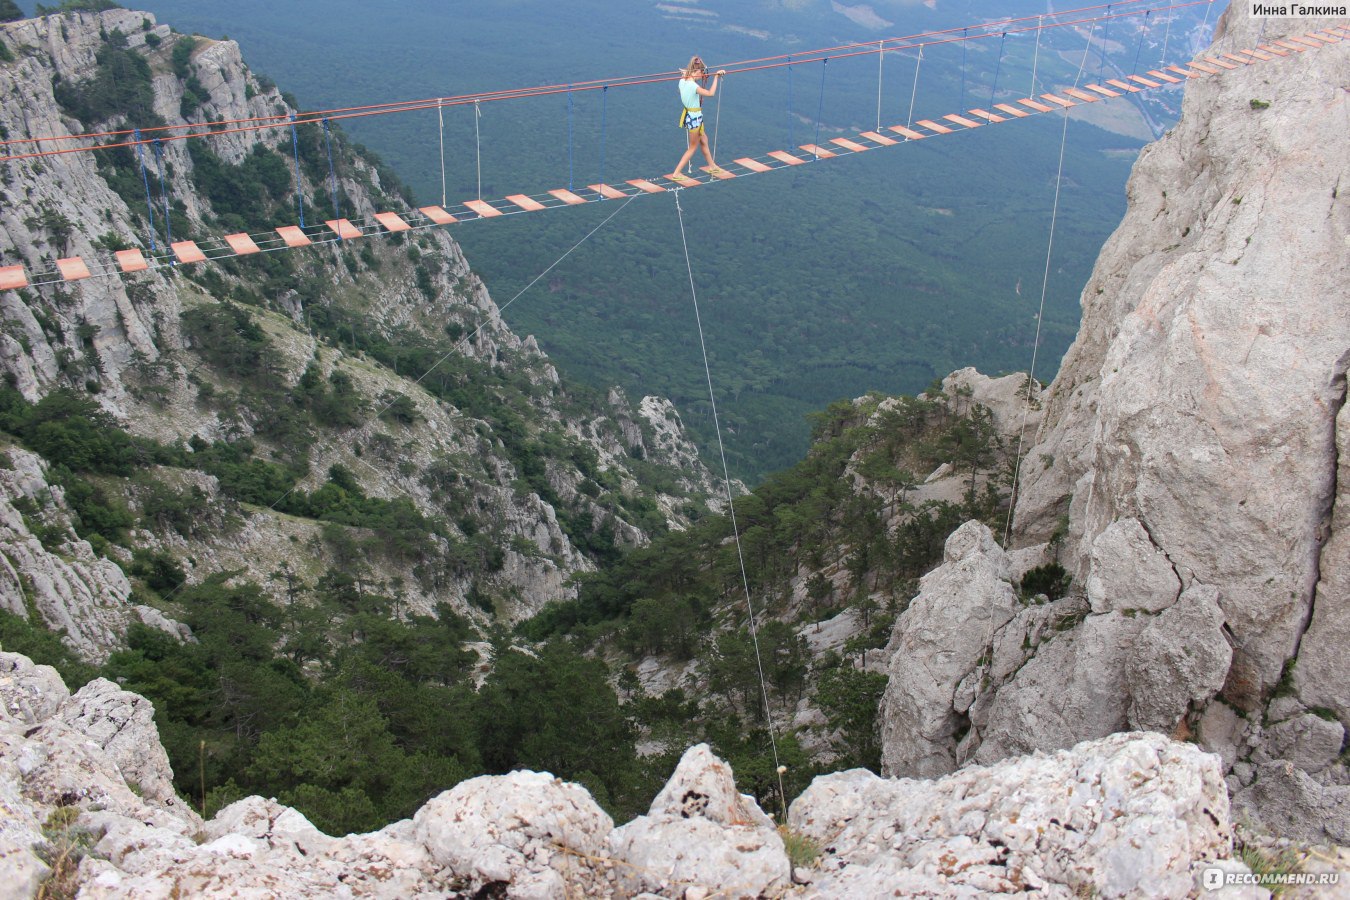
[689, 94]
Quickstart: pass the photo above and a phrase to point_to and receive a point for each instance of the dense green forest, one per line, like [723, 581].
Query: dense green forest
[875, 272]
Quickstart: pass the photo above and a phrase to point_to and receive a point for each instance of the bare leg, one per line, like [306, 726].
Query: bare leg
[703, 144]
[688, 155]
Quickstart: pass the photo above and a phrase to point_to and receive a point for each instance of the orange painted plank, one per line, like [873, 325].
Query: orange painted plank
[293, 236]
[849, 145]
[12, 278]
[718, 172]
[188, 252]
[1220, 63]
[1163, 76]
[1116, 82]
[1240, 59]
[1039, 107]
[681, 179]
[1310, 39]
[1288, 46]
[392, 221]
[1264, 57]
[643, 184]
[986, 114]
[131, 260]
[962, 120]
[1276, 50]
[525, 203]
[72, 268]
[1081, 95]
[818, 152]
[784, 156]
[483, 208]
[1140, 79]
[241, 244]
[567, 196]
[343, 229]
[1058, 100]
[753, 165]
[437, 215]
[933, 126]
[1011, 110]
[605, 190]
[879, 138]
[1208, 70]
[1187, 72]
[1104, 91]
[907, 133]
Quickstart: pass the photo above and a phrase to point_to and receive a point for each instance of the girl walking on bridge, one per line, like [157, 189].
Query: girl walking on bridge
[691, 93]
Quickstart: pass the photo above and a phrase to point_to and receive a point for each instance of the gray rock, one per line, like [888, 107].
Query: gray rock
[1283, 799]
[1222, 731]
[1180, 660]
[1308, 741]
[29, 693]
[1127, 571]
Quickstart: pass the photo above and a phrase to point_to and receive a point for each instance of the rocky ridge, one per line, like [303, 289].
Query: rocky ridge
[89, 809]
[1189, 475]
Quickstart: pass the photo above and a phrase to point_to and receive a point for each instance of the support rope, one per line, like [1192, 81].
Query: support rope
[440, 121]
[478, 145]
[1036, 58]
[1167, 34]
[789, 106]
[993, 91]
[332, 174]
[914, 91]
[164, 193]
[881, 56]
[820, 106]
[145, 177]
[1040, 312]
[717, 114]
[571, 180]
[1106, 36]
[1139, 48]
[731, 507]
[962, 104]
[604, 110]
[299, 188]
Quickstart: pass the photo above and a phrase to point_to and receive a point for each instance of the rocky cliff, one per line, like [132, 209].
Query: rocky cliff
[89, 810]
[1189, 475]
[388, 360]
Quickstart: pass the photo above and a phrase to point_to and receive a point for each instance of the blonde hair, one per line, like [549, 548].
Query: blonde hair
[695, 66]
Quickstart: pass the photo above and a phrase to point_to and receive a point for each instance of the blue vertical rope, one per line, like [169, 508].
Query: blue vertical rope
[820, 106]
[1106, 33]
[145, 177]
[569, 138]
[163, 191]
[299, 191]
[1140, 46]
[332, 173]
[604, 108]
[963, 69]
[789, 108]
[993, 91]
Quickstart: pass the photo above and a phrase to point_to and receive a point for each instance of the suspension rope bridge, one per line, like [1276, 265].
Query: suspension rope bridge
[339, 228]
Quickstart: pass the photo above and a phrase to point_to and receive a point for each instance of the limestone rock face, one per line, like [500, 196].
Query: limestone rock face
[1129, 815]
[701, 833]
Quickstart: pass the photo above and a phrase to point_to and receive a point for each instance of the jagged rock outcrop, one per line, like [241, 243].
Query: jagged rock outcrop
[1194, 443]
[1125, 816]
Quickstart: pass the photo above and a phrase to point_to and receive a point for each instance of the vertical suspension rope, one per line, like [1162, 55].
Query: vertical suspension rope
[731, 508]
[1167, 34]
[993, 91]
[717, 115]
[145, 177]
[478, 146]
[570, 168]
[332, 173]
[789, 106]
[962, 105]
[1040, 313]
[881, 55]
[1036, 58]
[1143, 35]
[913, 91]
[604, 109]
[163, 191]
[820, 105]
[299, 186]
[440, 121]
[1106, 35]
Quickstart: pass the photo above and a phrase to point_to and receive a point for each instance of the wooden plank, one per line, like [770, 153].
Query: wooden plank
[1104, 91]
[484, 209]
[1081, 95]
[1032, 104]
[437, 215]
[131, 260]
[1187, 72]
[392, 221]
[1288, 46]
[1208, 70]
[1140, 79]
[1264, 57]
[344, 229]
[567, 196]
[934, 126]
[681, 179]
[1116, 82]
[907, 133]
[1163, 76]
[962, 121]
[293, 236]
[12, 277]
[643, 184]
[526, 203]
[1238, 59]
[753, 165]
[878, 138]
[1060, 101]
[986, 114]
[1220, 63]
[1012, 110]
[818, 152]
[242, 244]
[784, 156]
[188, 252]
[72, 268]
[604, 190]
[849, 145]
[1276, 50]
[718, 172]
